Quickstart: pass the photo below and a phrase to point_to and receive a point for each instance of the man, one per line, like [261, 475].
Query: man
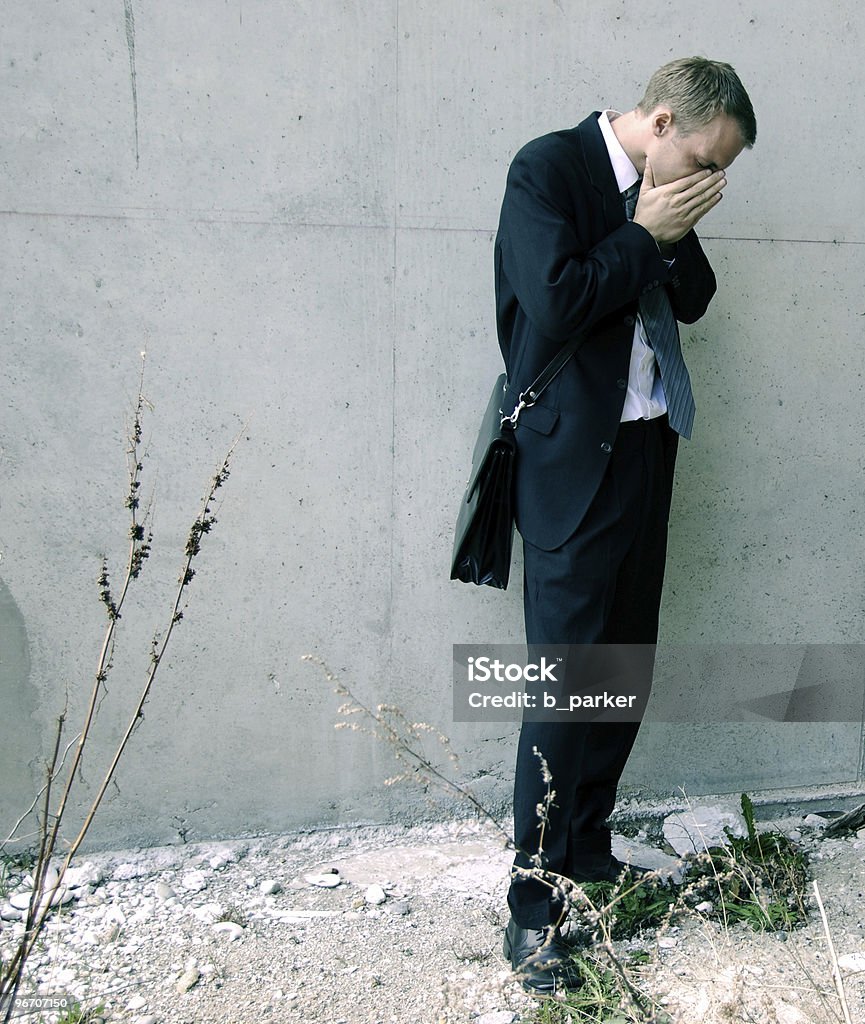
[575, 256]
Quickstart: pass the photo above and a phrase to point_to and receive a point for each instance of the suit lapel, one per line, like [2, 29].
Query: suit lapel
[600, 170]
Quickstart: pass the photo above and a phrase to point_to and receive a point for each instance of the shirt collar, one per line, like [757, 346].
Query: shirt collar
[624, 170]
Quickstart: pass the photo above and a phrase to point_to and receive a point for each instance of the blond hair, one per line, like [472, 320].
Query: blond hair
[696, 90]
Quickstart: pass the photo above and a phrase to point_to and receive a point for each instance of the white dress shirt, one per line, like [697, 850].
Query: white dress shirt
[645, 399]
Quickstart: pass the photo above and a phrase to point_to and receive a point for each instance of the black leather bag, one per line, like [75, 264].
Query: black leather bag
[484, 536]
[485, 523]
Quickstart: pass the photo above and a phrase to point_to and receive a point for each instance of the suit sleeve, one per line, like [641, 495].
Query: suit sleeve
[692, 284]
[563, 285]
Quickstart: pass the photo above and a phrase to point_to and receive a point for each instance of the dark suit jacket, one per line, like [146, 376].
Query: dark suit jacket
[567, 261]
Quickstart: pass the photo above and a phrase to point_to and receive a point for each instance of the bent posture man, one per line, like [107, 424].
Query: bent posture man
[596, 238]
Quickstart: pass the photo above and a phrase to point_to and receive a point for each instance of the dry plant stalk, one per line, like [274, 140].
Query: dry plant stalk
[388, 723]
[140, 538]
[836, 970]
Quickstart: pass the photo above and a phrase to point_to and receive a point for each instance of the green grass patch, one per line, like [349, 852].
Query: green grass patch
[760, 878]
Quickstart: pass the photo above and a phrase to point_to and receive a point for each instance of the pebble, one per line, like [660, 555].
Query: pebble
[705, 907]
[325, 880]
[124, 872]
[187, 980]
[209, 913]
[853, 962]
[814, 821]
[136, 1003]
[399, 908]
[21, 900]
[151, 1018]
[497, 1017]
[163, 891]
[83, 874]
[375, 895]
[230, 928]
[194, 881]
[270, 887]
[667, 942]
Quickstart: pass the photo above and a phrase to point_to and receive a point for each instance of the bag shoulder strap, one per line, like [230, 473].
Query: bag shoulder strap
[534, 391]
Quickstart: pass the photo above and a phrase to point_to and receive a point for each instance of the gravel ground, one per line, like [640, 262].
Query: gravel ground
[254, 930]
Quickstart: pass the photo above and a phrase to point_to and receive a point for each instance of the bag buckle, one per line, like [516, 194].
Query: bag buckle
[523, 403]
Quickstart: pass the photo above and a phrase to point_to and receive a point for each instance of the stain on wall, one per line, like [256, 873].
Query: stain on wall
[19, 737]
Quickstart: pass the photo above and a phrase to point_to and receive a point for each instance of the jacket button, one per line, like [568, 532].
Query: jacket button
[629, 320]
[621, 383]
[606, 447]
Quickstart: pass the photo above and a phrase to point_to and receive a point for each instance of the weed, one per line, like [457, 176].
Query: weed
[76, 1014]
[233, 914]
[627, 909]
[49, 807]
[600, 998]
[760, 878]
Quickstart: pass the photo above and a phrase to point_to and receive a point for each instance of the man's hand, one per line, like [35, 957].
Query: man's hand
[668, 212]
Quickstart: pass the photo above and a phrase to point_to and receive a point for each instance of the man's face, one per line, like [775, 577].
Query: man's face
[674, 155]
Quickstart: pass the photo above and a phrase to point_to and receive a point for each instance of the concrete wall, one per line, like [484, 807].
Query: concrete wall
[291, 207]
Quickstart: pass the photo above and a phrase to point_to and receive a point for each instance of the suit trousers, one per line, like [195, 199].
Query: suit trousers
[602, 586]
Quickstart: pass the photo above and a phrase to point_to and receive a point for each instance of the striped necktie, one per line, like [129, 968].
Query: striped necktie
[663, 334]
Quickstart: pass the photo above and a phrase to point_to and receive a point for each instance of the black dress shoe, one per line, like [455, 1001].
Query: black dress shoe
[540, 958]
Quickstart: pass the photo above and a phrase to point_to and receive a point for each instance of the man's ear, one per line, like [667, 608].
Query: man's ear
[662, 120]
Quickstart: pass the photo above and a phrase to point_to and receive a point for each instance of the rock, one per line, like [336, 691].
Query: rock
[270, 887]
[705, 907]
[51, 878]
[307, 915]
[10, 913]
[21, 900]
[229, 928]
[635, 851]
[60, 896]
[496, 1017]
[667, 942]
[375, 895]
[136, 1003]
[209, 913]
[163, 891]
[814, 821]
[325, 880]
[151, 1018]
[83, 874]
[853, 962]
[124, 872]
[194, 881]
[697, 829]
[63, 977]
[114, 915]
[399, 908]
[187, 980]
